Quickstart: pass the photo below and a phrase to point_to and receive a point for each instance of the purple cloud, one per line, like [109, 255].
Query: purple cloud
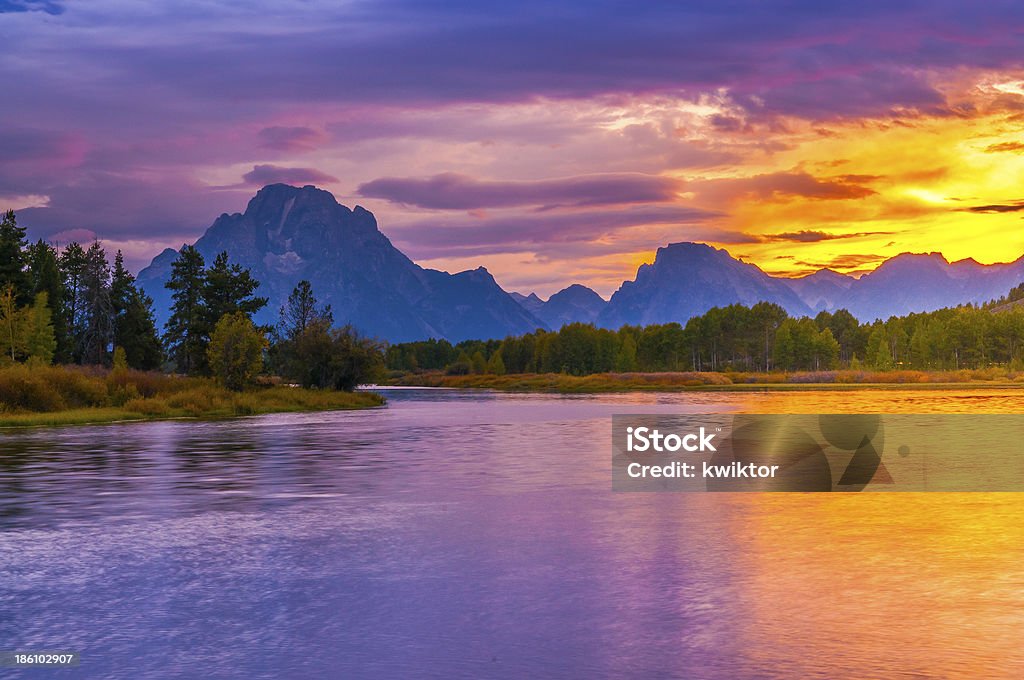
[452, 191]
[290, 138]
[119, 114]
[547, 233]
[261, 175]
[783, 184]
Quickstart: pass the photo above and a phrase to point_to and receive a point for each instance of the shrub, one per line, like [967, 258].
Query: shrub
[235, 354]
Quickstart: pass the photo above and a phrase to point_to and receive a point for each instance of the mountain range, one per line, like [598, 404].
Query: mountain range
[288, 233]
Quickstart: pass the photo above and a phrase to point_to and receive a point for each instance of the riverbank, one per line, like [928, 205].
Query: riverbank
[694, 380]
[57, 395]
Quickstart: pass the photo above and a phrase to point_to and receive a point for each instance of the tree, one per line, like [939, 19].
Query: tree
[878, 350]
[25, 332]
[227, 289]
[495, 365]
[40, 342]
[45, 277]
[12, 258]
[135, 331]
[336, 358]
[478, 362]
[185, 331]
[235, 354]
[785, 353]
[72, 269]
[98, 312]
[625, 360]
[301, 311]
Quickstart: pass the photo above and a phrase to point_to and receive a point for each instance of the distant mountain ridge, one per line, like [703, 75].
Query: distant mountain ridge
[290, 233]
[687, 279]
[287, 234]
[577, 303]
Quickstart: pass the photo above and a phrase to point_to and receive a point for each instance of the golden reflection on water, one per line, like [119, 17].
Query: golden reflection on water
[884, 401]
[883, 585]
[921, 585]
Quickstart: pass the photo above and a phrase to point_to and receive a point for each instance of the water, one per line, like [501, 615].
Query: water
[475, 535]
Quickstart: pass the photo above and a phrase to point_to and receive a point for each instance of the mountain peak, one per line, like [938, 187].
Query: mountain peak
[288, 234]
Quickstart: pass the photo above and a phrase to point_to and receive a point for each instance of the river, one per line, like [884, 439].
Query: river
[474, 534]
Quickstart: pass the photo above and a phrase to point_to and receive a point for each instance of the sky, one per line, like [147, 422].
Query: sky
[552, 143]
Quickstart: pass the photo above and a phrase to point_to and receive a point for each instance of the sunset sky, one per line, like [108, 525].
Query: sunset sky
[550, 142]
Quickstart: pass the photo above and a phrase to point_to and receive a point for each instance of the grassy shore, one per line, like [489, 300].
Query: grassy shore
[56, 395]
[667, 382]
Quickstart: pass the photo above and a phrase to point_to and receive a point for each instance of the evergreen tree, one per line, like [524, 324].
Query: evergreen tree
[12, 258]
[185, 332]
[135, 331]
[98, 310]
[228, 289]
[301, 311]
[72, 268]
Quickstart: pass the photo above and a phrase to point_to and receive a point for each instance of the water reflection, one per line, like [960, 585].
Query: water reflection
[468, 535]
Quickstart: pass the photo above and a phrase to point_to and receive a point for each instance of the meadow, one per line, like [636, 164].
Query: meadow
[708, 380]
[64, 395]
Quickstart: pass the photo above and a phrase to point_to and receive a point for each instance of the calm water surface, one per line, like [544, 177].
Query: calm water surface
[475, 535]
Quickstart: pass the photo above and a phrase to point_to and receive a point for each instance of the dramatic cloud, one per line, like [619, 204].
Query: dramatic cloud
[807, 236]
[540, 232]
[451, 191]
[136, 120]
[847, 262]
[1002, 147]
[1016, 206]
[261, 175]
[784, 185]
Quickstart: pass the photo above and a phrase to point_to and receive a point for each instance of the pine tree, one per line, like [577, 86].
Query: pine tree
[185, 332]
[301, 311]
[45, 277]
[12, 258]
[72, 269]
[228, 289]
[135, 331]
[98, 310]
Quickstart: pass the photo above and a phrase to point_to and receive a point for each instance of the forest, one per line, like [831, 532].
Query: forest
[761, 338]
[73, 307]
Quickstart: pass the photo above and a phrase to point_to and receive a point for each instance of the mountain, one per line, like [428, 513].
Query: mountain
[531, 302]
[288, 233]
[823, 289]
[925, 282]
[687, 279]
[577, 303]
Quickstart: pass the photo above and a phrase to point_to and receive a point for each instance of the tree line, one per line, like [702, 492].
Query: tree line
[71, 306]
[759, 338]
